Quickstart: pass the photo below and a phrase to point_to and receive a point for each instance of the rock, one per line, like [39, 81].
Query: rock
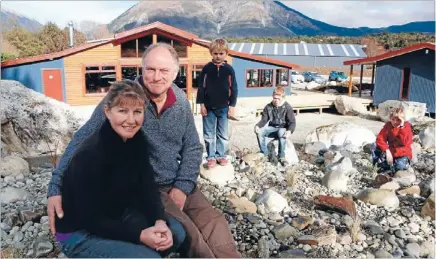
[346, 105]
[413, 249]
[263, 248]
[400, 233]
[307, 239]
[13, 166]
[407, 212]
[291, 155]
[428, 208]
[252, 159]
[353, 137]
[414, 111]
[30, 215]
[379, 197]
[314, 148]
[427, 249]
[273, 201]
[383, 254]
[392, 186]
[374, 227]
[292, 253]
[337, 175]
[428, 187]
[11, 195]
[410, 191]
[404, 178]
[53, 122]
[427, 137]
[284, 231]
[302, 222]
[325, 235]
[344, 239]
[340, 204]
[416, 150]
[219, 174]
[243, 205]
[42, 247]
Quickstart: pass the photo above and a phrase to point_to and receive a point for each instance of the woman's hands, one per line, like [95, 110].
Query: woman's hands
[158, 237]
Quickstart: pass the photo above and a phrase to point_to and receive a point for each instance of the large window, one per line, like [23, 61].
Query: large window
[135, 48]
[282, 77]
[405, 84]
[259, 78]
[180, 47]
[131, 72]
[98, 78]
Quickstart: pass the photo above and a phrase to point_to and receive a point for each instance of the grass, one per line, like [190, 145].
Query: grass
[355, 229]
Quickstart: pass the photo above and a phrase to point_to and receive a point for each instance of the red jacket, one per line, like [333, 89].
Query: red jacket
[398, 140]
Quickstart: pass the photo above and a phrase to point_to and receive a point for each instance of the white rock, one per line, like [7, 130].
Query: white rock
[33, 123]
[416, 149]
[273, 201]
[414, 111]
[291, 155]
[11, 194]
[353, 137]
[219, 174]
[13, 166]
[379, 197]
[337, 175]
[347, 105]
[427, 137]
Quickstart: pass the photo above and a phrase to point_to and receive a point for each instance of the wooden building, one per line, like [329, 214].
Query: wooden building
[406, 74]
[81, 75]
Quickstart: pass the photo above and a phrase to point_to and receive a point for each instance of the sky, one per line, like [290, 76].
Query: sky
[339, 13]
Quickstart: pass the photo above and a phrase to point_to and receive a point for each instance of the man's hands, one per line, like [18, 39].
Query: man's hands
[54, 205]
[389, 157]
[203, 110]
[178, 197]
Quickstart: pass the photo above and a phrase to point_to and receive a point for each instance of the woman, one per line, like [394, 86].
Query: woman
[112, 204]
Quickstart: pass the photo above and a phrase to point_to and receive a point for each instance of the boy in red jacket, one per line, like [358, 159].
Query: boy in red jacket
[394, 143]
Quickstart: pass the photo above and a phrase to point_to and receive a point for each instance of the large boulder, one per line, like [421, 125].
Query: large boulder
[218, 174]
[33, 124]
[273, 201]
[351, 136]
[414, 111]
[380, 197]
[346, 105]
[13, 166]
[427, 136]
[291, 155]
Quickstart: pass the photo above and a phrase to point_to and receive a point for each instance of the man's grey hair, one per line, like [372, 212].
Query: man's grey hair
[166, 46]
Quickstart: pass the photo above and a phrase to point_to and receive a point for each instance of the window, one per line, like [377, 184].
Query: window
[143, 44]
[282, 77]
[180, 80]
[196, 71]
[128, 49]
[99, 78]
[130, 72]
[259, 78]
[405, 84]
[180, 47]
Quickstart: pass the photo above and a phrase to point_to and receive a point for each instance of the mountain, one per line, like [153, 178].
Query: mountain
[9, 19]
[248, 18]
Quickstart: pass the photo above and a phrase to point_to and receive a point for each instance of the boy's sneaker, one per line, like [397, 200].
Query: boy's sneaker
[283, 162]
[222, 161]
[211, 163]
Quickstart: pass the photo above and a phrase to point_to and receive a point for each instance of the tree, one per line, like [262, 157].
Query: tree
[26, 43]
[54, 38]
[8, 56]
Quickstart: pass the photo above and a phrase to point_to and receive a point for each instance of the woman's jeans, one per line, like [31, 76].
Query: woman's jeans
[81, 244]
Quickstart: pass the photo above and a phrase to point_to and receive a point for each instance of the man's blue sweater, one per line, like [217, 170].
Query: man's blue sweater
[174, 145]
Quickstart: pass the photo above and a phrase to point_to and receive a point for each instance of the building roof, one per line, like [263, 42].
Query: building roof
[120, 37]
[391, 54]
[251, 57]
[300, 49]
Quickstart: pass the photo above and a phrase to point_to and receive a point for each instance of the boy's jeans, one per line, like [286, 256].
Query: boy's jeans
[379, 159]
[216, 133]
[82, 244]
[272, 132]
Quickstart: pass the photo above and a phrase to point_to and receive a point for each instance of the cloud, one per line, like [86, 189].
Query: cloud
[61, 12]
[366, 13]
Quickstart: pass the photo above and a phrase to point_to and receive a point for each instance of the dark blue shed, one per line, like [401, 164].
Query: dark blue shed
[406, 74]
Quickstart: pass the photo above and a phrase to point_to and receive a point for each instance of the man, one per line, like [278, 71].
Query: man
[278, 121]
[176, 155]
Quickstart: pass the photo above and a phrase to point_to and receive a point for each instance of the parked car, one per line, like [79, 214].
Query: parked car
[313, 76]
[296, 77]
[337, 76]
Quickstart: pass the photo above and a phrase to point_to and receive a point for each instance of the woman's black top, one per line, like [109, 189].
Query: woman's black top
[106, 177]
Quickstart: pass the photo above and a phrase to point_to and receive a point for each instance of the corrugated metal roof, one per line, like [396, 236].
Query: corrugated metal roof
[300, 49]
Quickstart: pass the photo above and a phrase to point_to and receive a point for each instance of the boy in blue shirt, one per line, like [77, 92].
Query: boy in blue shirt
[217, 95]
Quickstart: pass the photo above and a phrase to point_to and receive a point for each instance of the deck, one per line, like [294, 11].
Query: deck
[299, 100]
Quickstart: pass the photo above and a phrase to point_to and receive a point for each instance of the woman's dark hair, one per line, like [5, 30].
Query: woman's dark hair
[124, 88]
